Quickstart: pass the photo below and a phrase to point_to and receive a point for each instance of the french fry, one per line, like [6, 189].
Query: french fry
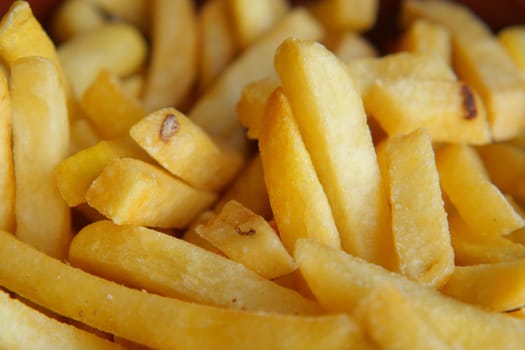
[252, 103]
[391, 320]
[75, 174]
[423, 36]
[83, 135]
[513, 40]
[136, 12]
[249, 189]
[117, 47]
[157, 321]
[252, 19]
[22, 327]
[505, 165]
[40, 142]
[299, 204]
[111, 110]
[349, 45]
[450, 111]
[169, 80]
[466, 183]
[217, 45]
[340, 281]
[215, 110]
[185, 150]
[497, 286]
[130, 254]
[130, 191]
[193, 237]
[422, 241]
[473, 248]
[404, 65]
[480, 61]
[332, 122]
[72, 18]
[337, 15]
[7, 179]
[133, 84]
[247, 238]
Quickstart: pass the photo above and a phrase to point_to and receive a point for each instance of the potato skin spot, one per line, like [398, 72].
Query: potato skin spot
[169, 127]
[469, 103]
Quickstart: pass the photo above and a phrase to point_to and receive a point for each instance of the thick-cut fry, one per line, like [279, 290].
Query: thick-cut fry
[173, 63]
[185, 150]
[252, 103]
[395, 324]
[419, 220]
[365, 72]
[130, 191]
[215, 110]
[7, 179]
[450, 111]
[217, 43]
[75, 174]
[161, 322]
[426, 37]
[349, 45]
[498, 286]
[193, 237]
[332, 121]
[72, 18]
[505, 164]
[513, 40]
[481, 61]
[299, 204]
[465, 181]
[247, 238]
[337, 15]
[40, 143]
[251, 18]
[147, 259]
[340, 281]
[109, 107]
[249, 189]
[472, 248]
[22, 327]
[116, 47]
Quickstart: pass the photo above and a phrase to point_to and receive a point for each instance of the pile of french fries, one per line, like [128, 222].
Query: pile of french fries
[251, 175]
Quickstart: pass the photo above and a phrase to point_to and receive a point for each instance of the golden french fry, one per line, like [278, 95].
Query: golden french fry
[340, 280]
[217, 46]
[419, 220]
[150, 260]
[173, 63]
[349, 45]
[22, 327]
[337, 15]
[513, 40]
[116, 47]
[423, 36]
[466, 183]
[40, 143]
[395, 324]
[215, 110]
[497, 286]
[111, 110]
[7, 179]
[365, 72]
[481, 61]
[472, 248]
[299, 204]
[505, 164]
[193, 237]
[450, 111]
[75, 174]
[156, 321]
[72, 18]
[252, 19]
[332, 122]
[249, 189]
[185, 150]
[130, 191]
[252, 103]
[247, 238]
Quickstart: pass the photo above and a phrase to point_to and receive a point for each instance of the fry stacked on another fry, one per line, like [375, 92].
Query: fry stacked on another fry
[250, 175]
